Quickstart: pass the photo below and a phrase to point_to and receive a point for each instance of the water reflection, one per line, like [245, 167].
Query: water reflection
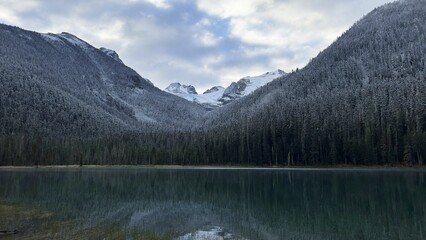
[253, 204]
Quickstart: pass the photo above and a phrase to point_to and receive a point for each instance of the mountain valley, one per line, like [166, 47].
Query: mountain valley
[361, 101]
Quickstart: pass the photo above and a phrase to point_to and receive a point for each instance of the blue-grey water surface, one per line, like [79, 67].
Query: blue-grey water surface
[231, 203]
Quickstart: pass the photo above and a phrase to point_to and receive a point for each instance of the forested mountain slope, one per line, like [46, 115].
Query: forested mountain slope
[57, 84]
[361, 101]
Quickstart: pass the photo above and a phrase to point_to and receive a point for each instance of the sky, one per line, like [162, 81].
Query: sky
[204, 43]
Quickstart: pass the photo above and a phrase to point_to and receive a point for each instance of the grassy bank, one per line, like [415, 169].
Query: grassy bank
[21, 222]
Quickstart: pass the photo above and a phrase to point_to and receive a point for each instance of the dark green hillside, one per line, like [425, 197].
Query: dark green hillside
[361, 101]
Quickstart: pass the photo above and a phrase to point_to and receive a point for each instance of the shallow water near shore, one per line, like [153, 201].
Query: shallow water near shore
[213, 203]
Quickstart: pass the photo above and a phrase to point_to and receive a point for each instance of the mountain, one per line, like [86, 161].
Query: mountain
[248, 85]
[360, 101]
[59, 84]
[218, 96]
[111, 53]
[209, 99]
[177, 88]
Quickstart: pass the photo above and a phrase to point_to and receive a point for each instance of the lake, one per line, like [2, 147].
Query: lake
[209, 203]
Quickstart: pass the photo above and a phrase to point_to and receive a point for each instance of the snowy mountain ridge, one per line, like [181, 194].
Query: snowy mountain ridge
[74, 88]
[111, 53]
[60, 38]
[179, 88]
[219, 96]
[248, 85]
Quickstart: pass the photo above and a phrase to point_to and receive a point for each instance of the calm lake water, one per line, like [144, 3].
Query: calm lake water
[230, 203]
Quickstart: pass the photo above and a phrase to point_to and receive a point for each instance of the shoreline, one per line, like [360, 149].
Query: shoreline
[224, 167]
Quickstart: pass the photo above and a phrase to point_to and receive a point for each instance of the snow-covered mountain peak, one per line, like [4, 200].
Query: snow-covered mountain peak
[113, 54]
[182, 89]
[208, 99]
[247, 85]
[219, 96]
[214, 89]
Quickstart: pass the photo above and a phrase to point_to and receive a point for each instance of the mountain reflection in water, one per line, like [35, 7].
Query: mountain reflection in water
[230, 203]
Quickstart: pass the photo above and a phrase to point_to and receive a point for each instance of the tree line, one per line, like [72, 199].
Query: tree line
[362, 101]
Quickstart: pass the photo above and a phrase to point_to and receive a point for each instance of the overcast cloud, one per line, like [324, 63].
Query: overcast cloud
[199, 42]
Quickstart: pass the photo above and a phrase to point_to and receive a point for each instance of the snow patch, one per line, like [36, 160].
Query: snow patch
[73, 40]
[50, 37]
[215, 233]
[248, 85]
[254, 83]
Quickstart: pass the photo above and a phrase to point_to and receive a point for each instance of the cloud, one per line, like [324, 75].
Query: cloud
[300, 26]
[10, 10]
[199, 42]
[234, 8]
[160, 3]
[207, 38]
